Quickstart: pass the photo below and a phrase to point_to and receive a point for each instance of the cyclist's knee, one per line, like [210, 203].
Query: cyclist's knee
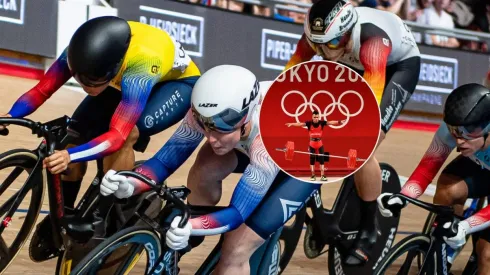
[76, 171]
[133, 137]
[450, 190]
[239, 245]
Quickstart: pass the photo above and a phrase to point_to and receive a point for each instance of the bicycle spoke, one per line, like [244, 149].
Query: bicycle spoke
[11, 177]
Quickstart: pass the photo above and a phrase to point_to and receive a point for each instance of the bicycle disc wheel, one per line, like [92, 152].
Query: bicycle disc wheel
[14, 166]
[395, 263]
[137, 236]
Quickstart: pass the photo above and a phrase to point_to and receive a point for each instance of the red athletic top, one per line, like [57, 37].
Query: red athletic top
[316, 132]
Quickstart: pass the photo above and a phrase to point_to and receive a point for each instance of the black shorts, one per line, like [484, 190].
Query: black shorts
[94, 114]
[315, 158]
[285, 197]
[476, 178]
[400, 83]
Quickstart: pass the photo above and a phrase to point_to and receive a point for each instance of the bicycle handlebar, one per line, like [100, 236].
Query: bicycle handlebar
[21, 122]
[180, 204]
[438, 209]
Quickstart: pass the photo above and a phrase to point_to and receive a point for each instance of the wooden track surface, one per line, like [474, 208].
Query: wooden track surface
[402, 149]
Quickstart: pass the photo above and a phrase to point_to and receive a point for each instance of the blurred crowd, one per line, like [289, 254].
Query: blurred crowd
[450, 14]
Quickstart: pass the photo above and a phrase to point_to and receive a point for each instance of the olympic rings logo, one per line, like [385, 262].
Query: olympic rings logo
[301, 109]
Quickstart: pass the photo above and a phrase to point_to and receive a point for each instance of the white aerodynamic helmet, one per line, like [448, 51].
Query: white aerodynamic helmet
[329, 20]
[225, 97]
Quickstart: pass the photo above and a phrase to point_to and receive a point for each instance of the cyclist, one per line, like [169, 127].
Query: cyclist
[381, 48]
[138, 80]
[465, 127]
[225, 110]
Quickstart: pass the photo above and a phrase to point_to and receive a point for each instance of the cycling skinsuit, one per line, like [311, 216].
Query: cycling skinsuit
[152, 60]
[316, 144]
[384, 52]
[263, 208]
[474, 170]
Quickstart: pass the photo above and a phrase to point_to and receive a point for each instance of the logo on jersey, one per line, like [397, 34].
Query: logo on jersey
[277, 48]
[155, 69]
[324, 112]
[386, 42]
[12, 11]
[166, 109]
[184, 28]
[289, 208]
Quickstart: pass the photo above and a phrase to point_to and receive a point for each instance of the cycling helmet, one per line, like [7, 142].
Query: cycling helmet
[329, 20]
[224, 98]
[467, 110]
[97, 49]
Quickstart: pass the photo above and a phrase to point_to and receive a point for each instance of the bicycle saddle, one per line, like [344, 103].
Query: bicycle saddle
[79, 230]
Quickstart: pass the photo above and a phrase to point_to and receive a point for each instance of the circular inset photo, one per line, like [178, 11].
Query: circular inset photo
[320, 121]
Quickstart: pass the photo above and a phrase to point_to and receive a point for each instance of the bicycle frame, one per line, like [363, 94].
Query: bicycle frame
[327, 220]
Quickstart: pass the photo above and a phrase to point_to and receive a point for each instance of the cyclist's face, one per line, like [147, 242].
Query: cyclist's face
[92, 91]
[468, 147]
[223, 143]
[330, 54]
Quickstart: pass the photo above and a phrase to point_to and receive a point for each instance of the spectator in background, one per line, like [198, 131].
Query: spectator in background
[481, 10]
[436, 16]
[292, 16]
[261, 11]
[230, 5]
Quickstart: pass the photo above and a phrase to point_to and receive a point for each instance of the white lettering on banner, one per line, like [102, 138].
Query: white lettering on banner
[184, 28]
[10, 5]
[436, 73]
[280, 49]
[14, 9]
[277, 48]
[183, 33]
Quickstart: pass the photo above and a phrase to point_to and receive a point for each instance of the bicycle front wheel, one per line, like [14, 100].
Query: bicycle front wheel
[133, 239]
[402, 258]
[16, 192]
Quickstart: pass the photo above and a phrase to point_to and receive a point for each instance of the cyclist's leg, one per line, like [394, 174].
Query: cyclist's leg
[277, 207]
[205, 186]
[168, 103]
[401, 80]
[483, 252]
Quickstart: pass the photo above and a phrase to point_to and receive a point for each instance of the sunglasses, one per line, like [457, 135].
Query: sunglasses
[226, 122]
[466, 132]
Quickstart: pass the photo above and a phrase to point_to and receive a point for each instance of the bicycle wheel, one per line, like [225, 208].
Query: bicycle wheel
[137, 237]
[413, 245]
[14, 164]
[289, 238]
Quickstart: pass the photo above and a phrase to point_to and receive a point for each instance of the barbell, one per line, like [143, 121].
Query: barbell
[351, 158]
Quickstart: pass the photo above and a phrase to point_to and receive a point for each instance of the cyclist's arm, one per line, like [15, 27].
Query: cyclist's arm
[135, 88]
[170, 157]
[54, 78]
[479, 221]
[441, 146]
[303, 52]
[250, 190]
[373, 55]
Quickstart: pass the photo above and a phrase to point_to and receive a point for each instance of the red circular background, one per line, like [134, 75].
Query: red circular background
[360, 133]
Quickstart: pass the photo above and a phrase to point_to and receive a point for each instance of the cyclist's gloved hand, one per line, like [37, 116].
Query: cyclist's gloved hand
[388, 205]
[118, 185]
[460, 238]
[178, 238]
